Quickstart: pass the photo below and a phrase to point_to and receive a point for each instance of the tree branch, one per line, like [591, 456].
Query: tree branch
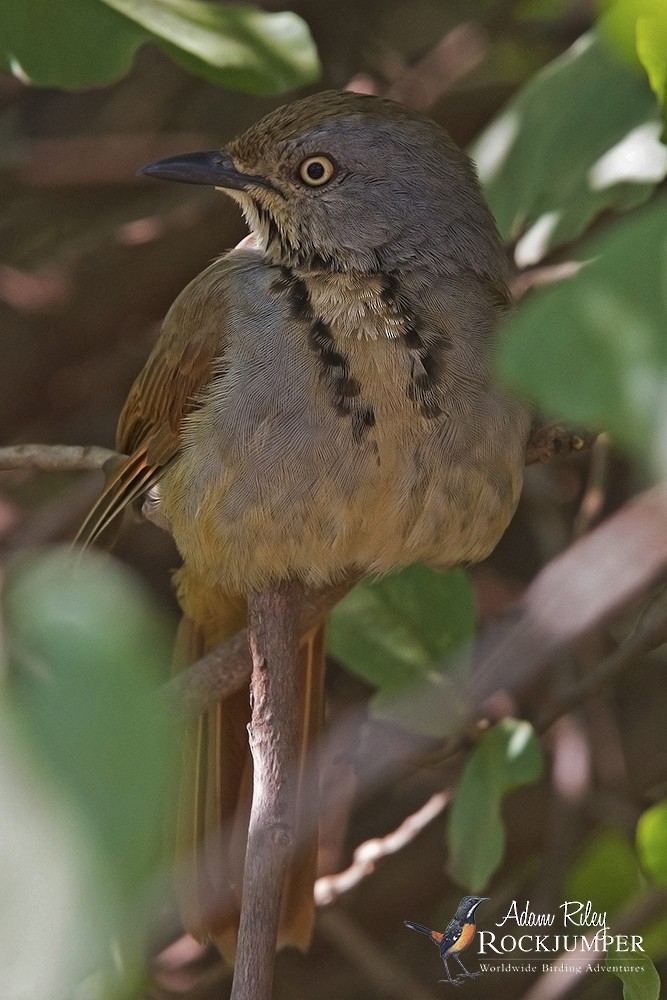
[227, 668]
[273, 634]
[54, 457]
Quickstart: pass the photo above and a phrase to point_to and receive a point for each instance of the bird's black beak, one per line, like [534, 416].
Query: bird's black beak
[214, 167]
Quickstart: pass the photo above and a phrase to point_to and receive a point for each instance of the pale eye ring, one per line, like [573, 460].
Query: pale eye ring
[316, 170]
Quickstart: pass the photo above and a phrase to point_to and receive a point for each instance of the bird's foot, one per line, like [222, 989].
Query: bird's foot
[456, 981]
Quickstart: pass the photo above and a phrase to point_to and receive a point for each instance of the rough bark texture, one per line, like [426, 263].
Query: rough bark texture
[273, 633]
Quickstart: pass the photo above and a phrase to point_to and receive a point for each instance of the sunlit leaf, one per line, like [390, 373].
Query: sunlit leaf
[588, 878]
[79, 43]
[241, 47]
[508, 755]
[638, 29]
[652, 841]
[581, 137]
[592, 349]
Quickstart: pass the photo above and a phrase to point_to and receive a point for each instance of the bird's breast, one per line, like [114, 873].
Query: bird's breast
[319, 446]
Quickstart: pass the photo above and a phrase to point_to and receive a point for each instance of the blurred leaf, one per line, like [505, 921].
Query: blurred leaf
[592, 349]
[395, 632]
[638, 30]
[652, 841]
[588, 878]
[508, 755]
[581, 137]
[642, 984]
[240, 47]
[654, 936]
[79, 43]
[541, 10]
[54, 902]
[66, 43]
[87, 653]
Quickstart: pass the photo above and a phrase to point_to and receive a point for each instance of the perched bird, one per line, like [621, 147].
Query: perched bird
[319, 401]
[458, 935]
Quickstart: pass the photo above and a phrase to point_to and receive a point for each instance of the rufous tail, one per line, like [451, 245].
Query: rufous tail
[216, 786]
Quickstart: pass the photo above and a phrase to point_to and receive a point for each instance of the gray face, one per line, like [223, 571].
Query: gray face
[398, 191]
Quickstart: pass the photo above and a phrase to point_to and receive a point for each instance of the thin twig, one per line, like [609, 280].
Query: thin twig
[273, 633]
[54, 457]
[593, 499]
[366, 857]
[549, 441]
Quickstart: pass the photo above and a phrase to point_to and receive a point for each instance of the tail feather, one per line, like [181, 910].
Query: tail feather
[127, 482]
[298, 906]
[419, 927]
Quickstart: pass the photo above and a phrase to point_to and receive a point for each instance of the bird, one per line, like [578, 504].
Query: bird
[319, 402]
[457, 935]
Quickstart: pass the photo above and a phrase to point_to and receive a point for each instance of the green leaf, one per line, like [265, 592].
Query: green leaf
[592, 349]
[508, 755]
[652, 841]
[241, 47]
[66, 43]
[588, 878]
[88, 651]
[637, 973]
[80, 43]
[580, 138]
[396, 632]
[638, 30]
[55, 898]
[652, 51]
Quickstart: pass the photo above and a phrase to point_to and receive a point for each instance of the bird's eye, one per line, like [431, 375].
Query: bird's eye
[316, 170]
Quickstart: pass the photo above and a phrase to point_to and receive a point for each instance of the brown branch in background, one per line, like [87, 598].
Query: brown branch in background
[583, 586]
[273, 634]
[367, 855]
[54, 457]
[549, 441]
[595, 493]
[545, 274]
[457, 53]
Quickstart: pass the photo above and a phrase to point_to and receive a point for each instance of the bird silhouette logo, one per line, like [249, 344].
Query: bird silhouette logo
[458, 935]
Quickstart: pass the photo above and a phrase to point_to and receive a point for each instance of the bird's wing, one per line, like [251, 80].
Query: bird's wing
[178, 368]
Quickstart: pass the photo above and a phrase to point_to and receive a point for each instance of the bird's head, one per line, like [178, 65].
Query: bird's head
[468, 906]
[348, 182]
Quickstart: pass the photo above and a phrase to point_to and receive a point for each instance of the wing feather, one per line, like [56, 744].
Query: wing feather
[179, 367]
